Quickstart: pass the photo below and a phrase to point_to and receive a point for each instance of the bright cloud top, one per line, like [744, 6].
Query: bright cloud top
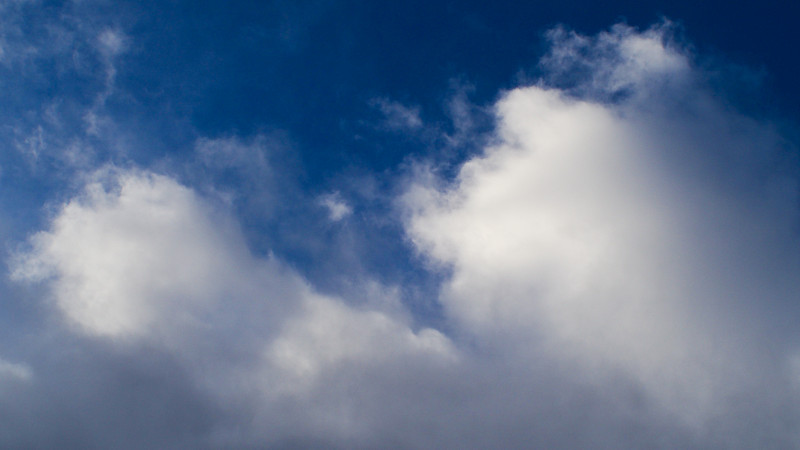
[125, 258]
[141, 259]
[620, 257]
[616, 236]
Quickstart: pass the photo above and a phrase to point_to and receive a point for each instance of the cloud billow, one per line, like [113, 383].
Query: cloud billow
[641, 235]
[619, 265]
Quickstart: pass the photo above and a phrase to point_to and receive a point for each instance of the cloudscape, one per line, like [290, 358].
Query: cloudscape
[343, 225]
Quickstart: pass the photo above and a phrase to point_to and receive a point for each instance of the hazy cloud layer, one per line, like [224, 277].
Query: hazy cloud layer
[620, 268]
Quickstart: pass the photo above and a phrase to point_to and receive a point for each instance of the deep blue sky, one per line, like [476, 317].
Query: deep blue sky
[309, 71]
[311, 68]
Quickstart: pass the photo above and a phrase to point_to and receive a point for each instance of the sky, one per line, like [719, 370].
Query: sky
[422, 224]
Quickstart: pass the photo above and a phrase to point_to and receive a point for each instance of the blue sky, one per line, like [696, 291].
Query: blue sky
[416, 224]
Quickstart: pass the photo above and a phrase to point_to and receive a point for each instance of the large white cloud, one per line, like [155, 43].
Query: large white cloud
[141, 260]
[136, 254]
[627, 223]
[619, 265]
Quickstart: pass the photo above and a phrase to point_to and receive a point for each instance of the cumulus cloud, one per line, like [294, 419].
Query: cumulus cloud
[140, 259]
[137, 253]
[622, 224]
[618, 267]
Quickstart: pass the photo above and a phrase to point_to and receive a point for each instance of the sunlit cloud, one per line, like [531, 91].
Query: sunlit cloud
[613, 264]
[607, 228]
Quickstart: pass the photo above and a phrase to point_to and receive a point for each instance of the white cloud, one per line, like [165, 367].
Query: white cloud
[136, 251]
[616, 236]
[330, 333]
[622, 60]
[111, 42]
[337, 208]
[139, 259]
[615, 268]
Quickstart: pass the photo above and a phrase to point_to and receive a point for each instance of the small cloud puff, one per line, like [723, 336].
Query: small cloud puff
[14, 371]
[111, 42]
[337, 208]
[398, 117]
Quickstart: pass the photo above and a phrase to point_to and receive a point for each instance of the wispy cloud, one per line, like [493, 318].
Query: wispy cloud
[14, 371]
[337, 208]
[59, 69]
[398, 117]
[110, 43]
